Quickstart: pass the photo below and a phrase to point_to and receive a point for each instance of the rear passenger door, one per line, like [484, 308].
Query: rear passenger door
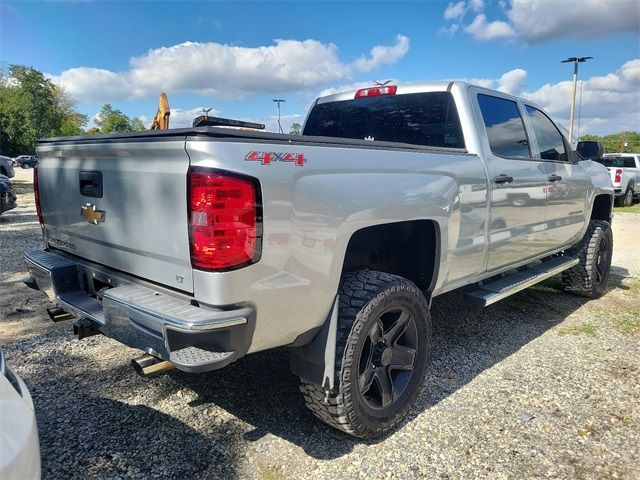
[567, 181]
[517, 182]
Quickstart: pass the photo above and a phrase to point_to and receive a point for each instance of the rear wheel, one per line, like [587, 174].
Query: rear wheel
[382, 348]
[589, 277]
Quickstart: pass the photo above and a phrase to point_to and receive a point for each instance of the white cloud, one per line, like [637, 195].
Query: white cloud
[513, 82]
[183, 118]
[538, 21]
[225, 71]
[85, 83]
[455, 11]
[383, 55]
[480, 29]
[542, 20]
[609, 103]
[450, 30]
[477, 5]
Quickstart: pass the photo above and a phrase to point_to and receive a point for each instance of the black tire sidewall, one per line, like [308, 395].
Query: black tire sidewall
[628, 197]
[599, 287]
[407, 295]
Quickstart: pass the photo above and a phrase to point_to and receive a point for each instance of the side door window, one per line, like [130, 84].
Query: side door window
[505, 128]
[550, 140]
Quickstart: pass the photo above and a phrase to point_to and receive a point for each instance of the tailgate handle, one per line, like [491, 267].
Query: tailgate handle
[91, 183]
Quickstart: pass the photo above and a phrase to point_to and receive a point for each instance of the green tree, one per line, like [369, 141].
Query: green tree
[614, 143]
[295, 129]
[32, 107]
[112, 120]
[72, 122]
[27, 110]
[137, 125]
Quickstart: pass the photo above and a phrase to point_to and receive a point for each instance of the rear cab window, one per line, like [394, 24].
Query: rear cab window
[428, 119]
[617, 162]
[505, 128]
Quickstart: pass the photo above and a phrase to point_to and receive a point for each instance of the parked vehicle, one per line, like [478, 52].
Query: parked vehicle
[6, 167]
[27, 161]
[625, 176]
[201, 245]
[7, 194]
[20, 452]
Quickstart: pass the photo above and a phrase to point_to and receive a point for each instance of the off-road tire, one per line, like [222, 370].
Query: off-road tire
[365, 296]
[589, 277]
[627, 199]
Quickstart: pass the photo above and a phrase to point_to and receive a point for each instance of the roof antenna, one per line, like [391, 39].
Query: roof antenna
[205, 112]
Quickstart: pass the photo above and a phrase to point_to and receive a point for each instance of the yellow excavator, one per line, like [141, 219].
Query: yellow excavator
[161, 120]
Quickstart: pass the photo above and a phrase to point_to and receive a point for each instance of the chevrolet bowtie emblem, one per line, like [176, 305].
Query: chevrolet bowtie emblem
[91, 214]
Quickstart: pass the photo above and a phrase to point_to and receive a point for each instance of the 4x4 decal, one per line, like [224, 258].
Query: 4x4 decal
[267, 157]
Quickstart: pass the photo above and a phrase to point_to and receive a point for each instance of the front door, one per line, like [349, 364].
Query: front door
[567, 181]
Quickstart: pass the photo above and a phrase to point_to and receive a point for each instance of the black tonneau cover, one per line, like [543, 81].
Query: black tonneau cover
[236, 135]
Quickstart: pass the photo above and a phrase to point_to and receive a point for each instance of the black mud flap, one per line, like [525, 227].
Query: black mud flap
[316, 361]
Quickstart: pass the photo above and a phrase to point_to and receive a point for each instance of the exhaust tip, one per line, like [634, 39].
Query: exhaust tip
[147, 365]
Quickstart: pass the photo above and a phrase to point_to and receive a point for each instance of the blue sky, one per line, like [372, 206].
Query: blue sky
[236, 57]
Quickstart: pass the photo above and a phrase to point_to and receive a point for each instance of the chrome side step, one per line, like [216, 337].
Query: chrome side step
[492, 292]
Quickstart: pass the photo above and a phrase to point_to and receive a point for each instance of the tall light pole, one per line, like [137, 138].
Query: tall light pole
[575, 61]
[279, 101]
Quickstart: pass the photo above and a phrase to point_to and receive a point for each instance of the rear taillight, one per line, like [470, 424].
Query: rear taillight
[618, 175]
[377, 91]
[36, 194]
[224, 219]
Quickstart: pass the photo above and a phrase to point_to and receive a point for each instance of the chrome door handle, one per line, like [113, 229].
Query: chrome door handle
[554, 178]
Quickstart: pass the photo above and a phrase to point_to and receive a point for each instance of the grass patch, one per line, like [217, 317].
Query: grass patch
[269, 473]
[588, 431]
[632, 209]
[629, 322]
[22, 184]
[584, 329]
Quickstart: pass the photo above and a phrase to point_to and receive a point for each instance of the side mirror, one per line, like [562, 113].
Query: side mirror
[590, 150]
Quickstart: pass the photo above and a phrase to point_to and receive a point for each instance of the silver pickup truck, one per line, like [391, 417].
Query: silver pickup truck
[201, 245]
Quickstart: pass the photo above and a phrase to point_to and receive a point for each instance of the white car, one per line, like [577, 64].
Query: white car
[19, 445]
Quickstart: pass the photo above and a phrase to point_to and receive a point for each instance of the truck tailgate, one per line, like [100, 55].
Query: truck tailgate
[121, 203]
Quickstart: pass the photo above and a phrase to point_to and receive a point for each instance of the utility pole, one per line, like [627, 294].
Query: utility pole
[575, 61]
[279, 101]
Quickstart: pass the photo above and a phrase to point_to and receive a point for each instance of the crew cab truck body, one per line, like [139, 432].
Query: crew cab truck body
[625, 175]
[202, 245]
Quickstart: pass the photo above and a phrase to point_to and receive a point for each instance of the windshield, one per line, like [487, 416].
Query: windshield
[619, 162]
[418, 118]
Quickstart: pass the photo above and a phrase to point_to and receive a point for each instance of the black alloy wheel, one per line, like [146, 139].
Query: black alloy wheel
[388, 358]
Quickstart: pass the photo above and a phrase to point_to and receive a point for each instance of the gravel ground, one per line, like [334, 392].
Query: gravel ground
[542, 385]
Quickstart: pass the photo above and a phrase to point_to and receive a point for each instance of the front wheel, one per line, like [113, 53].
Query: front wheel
[628, 197]
[589, 277]
[382, 349]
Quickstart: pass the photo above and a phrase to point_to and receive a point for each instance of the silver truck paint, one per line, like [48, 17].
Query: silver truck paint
[312, 211]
